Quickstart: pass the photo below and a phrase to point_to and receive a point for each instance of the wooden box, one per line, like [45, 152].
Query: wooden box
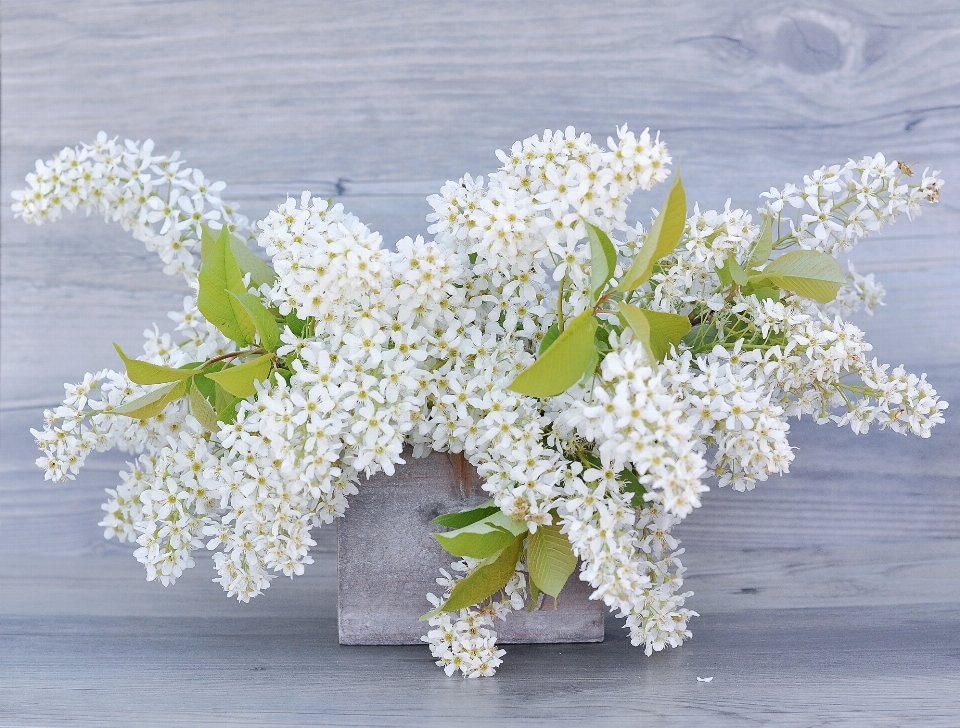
[388, 561]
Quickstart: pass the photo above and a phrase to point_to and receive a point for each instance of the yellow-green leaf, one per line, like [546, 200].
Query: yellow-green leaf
[459, 519]
[633, 317]
[242, 320]
[207, 241]
[262, 321]
[239, 380]
[219, 275]
[534, 597]
[663, 237]
[603, 259]
[591, 368]
[737, 273]
[260, 271]
[482, 538]
[143, 372]
[656, 330]
[549, 337]
[666, 330]
[763, 246]
[487, 579]
[152, 403]
[809, 273]
[202, 409]
[225, 403]
[562, 365]
[550, 559]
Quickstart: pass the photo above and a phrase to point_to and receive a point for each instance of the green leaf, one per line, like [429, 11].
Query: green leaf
[591, 367]
[260, 271]
[666, 330]
[153, 403]
[219, 275]
[763, 246]
[243, 321]
[762, 292]
[656, 330]
[459, 519]
[482, 538]
[737, 273]
[534, 596]
[548, 338]
[202, 409]
[225, 404]
[632, 485]
[550, 559]
[601, 337]
[603, 259]
[701, 336]
[296, 325]
[592, 460]
[487, 579]
[809, 273]
[143, 372]
[260, 318]
[560, 366]
[732, 272]
[663, 237]
[206, 386]
[634, 317]
[238, 380]
[726, 280]
[207, 241]
[431, 614]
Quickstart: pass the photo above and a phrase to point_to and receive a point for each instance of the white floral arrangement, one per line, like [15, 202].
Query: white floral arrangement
[596, 374]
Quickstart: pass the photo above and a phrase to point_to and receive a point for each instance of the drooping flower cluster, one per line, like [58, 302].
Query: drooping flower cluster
[162, 202]
[385, 351]
[859, 292]
[465, 641]
[842, 204]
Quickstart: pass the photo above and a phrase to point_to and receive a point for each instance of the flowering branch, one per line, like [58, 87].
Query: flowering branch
[674, 354]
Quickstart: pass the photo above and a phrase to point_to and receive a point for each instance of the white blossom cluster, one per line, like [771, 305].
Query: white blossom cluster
[82, 423]
[531, 213]
[411, 350]
[162, 202]
[840, 205]
[465, 641]
[859, 292]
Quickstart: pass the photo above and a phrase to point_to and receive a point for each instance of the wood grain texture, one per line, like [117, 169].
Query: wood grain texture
[805, 637]
[381, 103]
[829, 597]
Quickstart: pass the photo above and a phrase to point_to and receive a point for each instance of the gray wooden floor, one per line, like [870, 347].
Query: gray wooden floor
[828, 597]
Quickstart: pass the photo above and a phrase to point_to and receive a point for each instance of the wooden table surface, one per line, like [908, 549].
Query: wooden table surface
[828, 597]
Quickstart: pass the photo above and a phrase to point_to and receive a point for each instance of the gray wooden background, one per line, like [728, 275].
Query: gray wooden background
[828, 597]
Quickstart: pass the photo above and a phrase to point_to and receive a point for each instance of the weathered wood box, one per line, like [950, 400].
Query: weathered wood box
[388, 561]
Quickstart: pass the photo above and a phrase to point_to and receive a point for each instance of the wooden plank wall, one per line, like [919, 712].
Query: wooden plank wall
[838, 564]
